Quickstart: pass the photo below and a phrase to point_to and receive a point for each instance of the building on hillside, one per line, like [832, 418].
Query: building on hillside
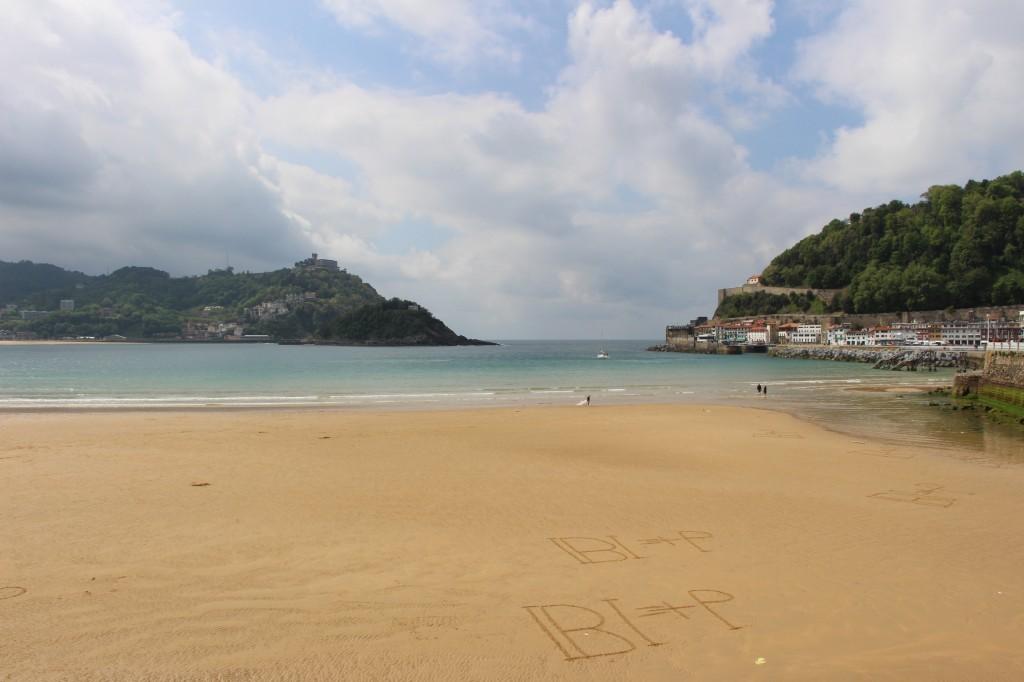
[67, 305]
[754, 280]
[806, 333]
[31, 315]
[317, 262]
[199, 330]
[267, 310]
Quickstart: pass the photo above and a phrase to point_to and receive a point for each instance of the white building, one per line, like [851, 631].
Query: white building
[836, 336]
[67, 305]
[962, 333]
[887, 336]
[761, 335]
[267, 310]
[859, 337]
[806, 333]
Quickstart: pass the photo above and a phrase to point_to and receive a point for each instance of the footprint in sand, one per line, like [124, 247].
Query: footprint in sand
[11, 592]
[889, 453]
[778, 434]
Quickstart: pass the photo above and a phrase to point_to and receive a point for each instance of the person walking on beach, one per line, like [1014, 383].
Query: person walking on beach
[588, 401]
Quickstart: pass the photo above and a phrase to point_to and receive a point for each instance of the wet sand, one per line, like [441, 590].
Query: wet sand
[907, 390]
[601, 543]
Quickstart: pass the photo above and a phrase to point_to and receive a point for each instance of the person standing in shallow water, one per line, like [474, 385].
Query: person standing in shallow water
[764, 391]
[759, 389]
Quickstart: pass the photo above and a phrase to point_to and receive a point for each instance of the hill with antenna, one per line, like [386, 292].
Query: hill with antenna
[315, 301]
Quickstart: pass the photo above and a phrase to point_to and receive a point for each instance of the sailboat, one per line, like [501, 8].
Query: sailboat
[602, 354]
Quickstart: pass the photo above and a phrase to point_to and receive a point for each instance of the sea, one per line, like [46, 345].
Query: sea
[885, 406]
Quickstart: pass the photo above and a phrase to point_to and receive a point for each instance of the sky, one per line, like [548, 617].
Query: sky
[527, 169]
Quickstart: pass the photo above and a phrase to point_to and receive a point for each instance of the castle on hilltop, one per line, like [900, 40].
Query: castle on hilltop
[756, 283]
[317, 262]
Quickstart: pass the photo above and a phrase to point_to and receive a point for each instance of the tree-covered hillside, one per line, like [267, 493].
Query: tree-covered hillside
[957, 247]
[313, 303]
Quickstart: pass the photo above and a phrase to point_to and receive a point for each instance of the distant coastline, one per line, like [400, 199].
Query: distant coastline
[313, 302]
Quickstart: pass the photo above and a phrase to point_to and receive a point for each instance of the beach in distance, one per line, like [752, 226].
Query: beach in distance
[625, 542]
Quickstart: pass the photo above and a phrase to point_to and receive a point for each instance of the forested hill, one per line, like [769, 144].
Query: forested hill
[307, 302]
[957, 247]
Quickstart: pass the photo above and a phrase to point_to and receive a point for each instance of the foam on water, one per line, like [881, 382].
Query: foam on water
[111, 376]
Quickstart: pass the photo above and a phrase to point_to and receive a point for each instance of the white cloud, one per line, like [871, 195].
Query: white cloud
[616, 206]
[116, 143]
[454, 31]
[937, 84]
[606, 204]
[616, 194]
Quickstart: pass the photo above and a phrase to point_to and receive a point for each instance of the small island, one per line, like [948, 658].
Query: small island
[313, 302]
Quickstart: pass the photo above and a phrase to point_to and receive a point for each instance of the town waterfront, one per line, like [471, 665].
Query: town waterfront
[847, 397]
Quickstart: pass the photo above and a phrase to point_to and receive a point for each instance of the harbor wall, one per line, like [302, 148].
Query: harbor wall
[1005, 368]
[885, 357]
[1000, 384]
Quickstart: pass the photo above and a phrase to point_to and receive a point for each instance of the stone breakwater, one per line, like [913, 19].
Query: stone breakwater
[1005, 368]
[880, 358]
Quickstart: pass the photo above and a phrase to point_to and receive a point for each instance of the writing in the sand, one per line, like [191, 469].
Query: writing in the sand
[923, 494]
[580, 632]
[599, 550]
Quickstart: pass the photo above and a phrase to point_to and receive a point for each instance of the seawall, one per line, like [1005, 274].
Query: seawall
[1000, 384]
[881, 357]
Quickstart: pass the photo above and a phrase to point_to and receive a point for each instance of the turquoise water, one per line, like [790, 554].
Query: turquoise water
[514, 373]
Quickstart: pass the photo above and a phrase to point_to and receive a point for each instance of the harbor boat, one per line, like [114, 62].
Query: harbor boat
[602, 354]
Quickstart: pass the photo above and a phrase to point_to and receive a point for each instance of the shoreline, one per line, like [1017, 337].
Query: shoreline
[413, 408]
[65, 342]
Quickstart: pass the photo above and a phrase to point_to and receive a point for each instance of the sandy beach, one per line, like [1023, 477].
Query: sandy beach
[602, 543]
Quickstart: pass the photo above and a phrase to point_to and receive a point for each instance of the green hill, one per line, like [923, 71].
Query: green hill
[957, 247]
[303, 302]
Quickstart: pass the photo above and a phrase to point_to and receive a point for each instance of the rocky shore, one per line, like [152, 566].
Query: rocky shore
[881, 358]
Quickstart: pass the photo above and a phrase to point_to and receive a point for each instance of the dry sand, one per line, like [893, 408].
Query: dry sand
[625, 543]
